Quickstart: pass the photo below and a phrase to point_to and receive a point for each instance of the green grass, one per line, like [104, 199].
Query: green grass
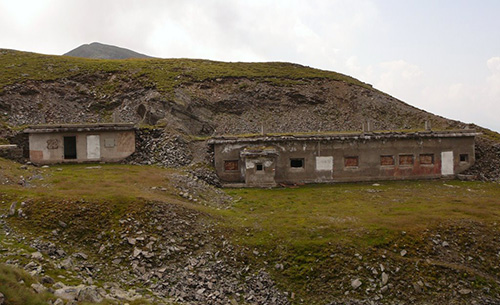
[324, 213]
[15, 285]
[164, 74]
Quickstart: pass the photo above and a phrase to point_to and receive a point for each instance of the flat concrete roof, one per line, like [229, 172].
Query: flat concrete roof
[53, 128]
[345, 136]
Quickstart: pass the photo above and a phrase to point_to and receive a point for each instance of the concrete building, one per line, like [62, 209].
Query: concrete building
[264, 161]
[80, 143]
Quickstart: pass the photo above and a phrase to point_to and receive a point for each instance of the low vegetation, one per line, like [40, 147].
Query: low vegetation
[164, 74]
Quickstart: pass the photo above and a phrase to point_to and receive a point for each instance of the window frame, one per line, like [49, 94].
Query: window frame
[237, 162]
[404, 157]
[351, 158]
[433, 159]
[466, 158]
[302, 161]
[388, 156]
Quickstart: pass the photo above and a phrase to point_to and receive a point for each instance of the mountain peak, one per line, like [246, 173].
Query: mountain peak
[103, 51]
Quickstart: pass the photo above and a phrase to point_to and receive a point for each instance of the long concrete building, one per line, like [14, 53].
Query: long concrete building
[265, 161]
[74, 143]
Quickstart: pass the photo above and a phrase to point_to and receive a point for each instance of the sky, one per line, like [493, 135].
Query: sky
[441, 56]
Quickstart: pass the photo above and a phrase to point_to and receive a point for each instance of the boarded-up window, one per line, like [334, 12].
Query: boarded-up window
[109, 142]
[351, 161]
[231, 165]
[387, 160]
[426, 159]
[406, 160]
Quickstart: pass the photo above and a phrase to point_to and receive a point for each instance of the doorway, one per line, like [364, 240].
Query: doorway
[70, 147]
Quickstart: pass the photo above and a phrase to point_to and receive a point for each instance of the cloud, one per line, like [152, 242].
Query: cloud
[398, 76]
[493, 80]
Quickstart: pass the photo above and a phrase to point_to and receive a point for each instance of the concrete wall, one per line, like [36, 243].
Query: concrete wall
[328, 161]
[113, 146]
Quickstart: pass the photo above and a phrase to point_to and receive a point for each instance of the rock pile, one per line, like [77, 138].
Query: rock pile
[155, 146]
[198, 190]
[487, 165]
[175, 253]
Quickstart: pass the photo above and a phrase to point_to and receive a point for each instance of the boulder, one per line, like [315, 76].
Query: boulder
[89, 294]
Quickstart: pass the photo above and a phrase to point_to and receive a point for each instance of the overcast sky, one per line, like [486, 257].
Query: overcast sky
[439, 55]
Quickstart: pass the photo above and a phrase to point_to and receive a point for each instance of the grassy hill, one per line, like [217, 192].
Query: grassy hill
[164, 74]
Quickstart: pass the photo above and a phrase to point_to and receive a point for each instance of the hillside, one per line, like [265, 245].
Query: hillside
[103, 51]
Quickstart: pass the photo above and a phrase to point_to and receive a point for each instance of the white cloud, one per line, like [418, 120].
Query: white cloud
[398, 76]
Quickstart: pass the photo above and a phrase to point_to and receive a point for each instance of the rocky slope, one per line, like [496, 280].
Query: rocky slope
[193, 99]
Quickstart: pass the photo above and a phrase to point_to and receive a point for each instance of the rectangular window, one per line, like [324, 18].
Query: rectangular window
[464, 158]
[426, 159]
[259, 167]
[351, 161]
[406, 160]
[387, 160]
[296, 163]
[231, 165]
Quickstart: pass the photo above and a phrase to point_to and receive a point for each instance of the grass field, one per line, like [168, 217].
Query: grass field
[320, 213]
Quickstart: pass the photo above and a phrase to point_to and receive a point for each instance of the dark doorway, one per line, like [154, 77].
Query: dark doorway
[69, 147]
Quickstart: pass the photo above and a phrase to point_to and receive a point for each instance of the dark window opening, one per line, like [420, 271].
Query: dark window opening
[386, 160]
[351, 161]
[296, 163]
[70, 147]
[231, 165]
[259, 167]
[405, 159]
[426, 159]
[464, 157]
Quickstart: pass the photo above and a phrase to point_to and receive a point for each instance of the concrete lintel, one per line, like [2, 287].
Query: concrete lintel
[346, 136]
[57, 128]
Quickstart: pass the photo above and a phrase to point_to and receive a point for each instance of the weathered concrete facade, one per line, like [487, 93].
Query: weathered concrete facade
[80, 143]
[269, 160]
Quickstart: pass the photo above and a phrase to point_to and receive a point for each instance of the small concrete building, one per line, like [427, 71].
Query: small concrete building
[80, 143]
[265, 161]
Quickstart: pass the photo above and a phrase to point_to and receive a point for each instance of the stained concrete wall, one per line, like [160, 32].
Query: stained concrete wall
[325, 160]
[48, 148]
